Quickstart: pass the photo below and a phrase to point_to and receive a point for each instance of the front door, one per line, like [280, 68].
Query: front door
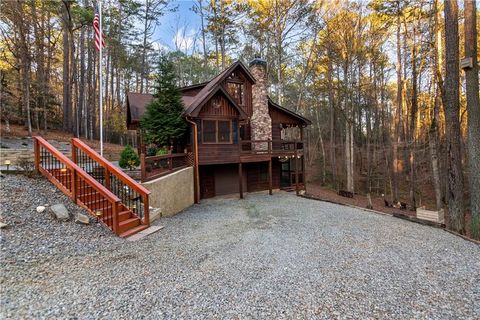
[286, 174]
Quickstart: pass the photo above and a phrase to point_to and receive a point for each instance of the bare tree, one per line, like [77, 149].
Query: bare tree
[452, 109]
[473, 106]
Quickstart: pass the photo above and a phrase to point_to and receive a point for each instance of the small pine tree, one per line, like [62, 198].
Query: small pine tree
[162, 122]
[128, 158]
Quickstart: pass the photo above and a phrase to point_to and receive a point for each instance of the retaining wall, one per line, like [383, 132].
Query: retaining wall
[171, 193]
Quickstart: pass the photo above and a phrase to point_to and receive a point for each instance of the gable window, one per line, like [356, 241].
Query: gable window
[236, 90]
[217, 131]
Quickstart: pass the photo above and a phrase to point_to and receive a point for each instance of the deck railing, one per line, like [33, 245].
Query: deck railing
[270, 146]
[132, 194]
[77, 184]
[157, 166]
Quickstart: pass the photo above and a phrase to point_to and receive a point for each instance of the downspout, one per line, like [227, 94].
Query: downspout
[195, 151]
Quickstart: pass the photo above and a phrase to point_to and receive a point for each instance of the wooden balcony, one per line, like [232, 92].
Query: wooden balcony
[264, 150]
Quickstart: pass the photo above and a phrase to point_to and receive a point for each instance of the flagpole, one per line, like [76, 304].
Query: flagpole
[100, 76]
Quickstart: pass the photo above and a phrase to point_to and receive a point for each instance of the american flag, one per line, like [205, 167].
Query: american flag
[96, 27]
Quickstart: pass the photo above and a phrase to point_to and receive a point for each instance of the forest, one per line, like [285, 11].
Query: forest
[391, 86]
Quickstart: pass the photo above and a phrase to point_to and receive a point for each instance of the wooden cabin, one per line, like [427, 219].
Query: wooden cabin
[237, 134]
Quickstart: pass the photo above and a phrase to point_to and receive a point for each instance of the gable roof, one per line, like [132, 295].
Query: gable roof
[290, 113]
[138, 102]
[195, 111]
[136, 105]
[206, 93]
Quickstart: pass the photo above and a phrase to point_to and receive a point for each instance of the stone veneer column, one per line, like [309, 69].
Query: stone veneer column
[260, 122]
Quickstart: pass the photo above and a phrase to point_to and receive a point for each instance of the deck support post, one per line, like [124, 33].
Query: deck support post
[240, 182]
[36, 146]
[297, 189]
[270, 176]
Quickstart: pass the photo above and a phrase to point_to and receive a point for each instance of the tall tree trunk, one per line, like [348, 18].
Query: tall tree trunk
[433, 144]
[452, 106]
[331, 107]
[66, 68]
[473, 106]
[144, 48]
[81, 93]
[413, 122]
[24, 60]
[433, 132]
[398, 123]
[204, 41]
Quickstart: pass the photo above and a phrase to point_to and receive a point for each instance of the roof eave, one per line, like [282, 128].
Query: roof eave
[289, 112]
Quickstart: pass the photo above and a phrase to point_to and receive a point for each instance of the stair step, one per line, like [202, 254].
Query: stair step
[128, 224]
[133, 231]
[124, 215]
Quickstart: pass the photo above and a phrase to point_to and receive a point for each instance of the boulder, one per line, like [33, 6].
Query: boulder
[40, 209]
[60, 212]
[82, 219]
[3, 225]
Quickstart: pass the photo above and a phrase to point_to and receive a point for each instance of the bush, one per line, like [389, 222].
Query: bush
[27, 166]
[152, 151]
[128, 158]
[162, 152]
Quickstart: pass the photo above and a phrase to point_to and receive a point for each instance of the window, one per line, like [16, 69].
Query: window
[209, 131]
[223, 131]
[237, 91]
[217, 131]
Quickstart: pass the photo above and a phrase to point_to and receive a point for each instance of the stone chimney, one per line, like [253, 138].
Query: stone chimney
[260, 122]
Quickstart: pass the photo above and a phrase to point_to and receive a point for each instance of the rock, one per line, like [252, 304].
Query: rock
[40, 209]
[3, 225]
[82, 219]
[60, 212]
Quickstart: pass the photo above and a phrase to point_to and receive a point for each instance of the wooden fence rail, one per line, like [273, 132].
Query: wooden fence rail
[157, 166]
[269, 146]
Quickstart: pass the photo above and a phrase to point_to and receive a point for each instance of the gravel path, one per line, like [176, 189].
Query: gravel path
[266, 256]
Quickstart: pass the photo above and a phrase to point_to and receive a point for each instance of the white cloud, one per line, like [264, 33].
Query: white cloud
[183, 40]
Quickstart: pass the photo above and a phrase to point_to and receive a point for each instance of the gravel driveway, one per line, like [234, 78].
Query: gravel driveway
[272, 257]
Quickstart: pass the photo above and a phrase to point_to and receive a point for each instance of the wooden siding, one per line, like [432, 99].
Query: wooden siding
[276, 135]
[218, 153]
[218, 107]
[247, 106]
[281, 117]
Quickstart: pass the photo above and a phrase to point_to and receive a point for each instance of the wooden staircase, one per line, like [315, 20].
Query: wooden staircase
[92, 182]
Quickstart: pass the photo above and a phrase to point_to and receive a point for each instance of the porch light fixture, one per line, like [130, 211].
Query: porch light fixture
[63, 170]
[98, 214]
[7, 163]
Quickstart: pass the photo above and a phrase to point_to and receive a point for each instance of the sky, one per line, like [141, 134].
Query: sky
[178, 27]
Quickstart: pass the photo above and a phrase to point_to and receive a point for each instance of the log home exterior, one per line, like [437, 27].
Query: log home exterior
[236, 133]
